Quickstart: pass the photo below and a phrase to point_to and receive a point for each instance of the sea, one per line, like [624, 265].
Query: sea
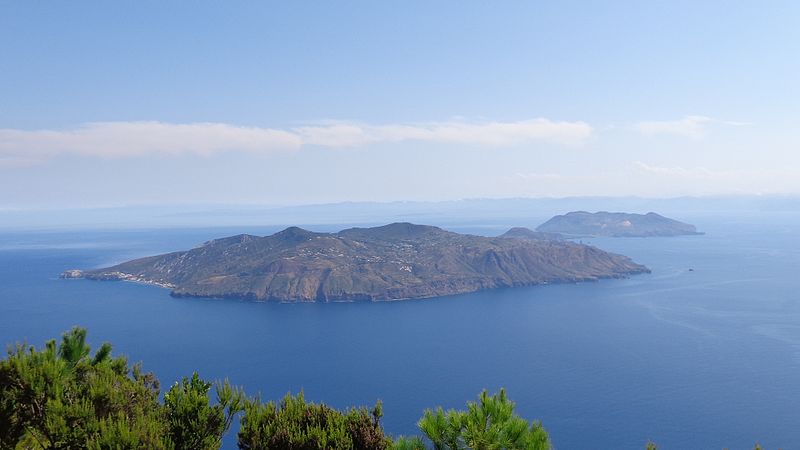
[703, 353]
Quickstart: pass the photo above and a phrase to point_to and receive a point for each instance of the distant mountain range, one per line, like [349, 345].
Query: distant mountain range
[582, 223]
[391, 262]
[455, 213]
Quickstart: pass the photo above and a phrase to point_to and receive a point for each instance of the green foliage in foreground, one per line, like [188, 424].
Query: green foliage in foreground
[488, 424]
[63, 397]
[297, 425]
[193, 422]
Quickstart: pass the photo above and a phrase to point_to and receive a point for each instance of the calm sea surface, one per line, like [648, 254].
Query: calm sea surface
[692, 359]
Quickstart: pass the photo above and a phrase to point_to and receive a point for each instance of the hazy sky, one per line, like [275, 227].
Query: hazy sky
[113, 103]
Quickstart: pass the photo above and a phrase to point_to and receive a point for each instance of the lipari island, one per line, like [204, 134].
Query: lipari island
[615, 224]
[392, 262]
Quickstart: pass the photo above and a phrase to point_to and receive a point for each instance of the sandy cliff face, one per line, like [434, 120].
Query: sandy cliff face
[396, 261]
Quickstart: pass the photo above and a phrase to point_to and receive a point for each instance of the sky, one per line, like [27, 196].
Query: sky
[282, 103]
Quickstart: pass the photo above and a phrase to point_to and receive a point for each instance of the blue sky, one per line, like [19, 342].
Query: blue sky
[114, 103]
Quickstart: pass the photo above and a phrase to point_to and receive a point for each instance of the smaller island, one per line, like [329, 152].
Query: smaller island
[530, 235]
[615, 224]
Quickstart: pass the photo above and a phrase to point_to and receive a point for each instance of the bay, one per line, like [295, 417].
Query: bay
[703, 353]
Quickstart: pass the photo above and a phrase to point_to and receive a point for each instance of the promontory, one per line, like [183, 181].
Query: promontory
[615, 224]
[391, 262]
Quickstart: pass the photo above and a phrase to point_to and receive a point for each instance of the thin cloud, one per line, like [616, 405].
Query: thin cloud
[13, 162]
[114, 139]
[492, 134]
[690, 172]
[673, 171]
[124, 139]
[714, 181]
[538, 176]
[693, 127]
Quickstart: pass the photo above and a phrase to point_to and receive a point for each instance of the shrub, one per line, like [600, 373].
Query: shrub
[295, 424]
[488, 424]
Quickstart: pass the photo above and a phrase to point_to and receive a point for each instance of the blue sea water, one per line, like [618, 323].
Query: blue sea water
[707, 358]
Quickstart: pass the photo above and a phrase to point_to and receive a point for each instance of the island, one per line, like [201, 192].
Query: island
[392, 262]
[615, 224]
[527, 233]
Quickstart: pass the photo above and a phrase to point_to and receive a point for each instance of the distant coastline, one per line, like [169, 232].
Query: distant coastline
[616, 224]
